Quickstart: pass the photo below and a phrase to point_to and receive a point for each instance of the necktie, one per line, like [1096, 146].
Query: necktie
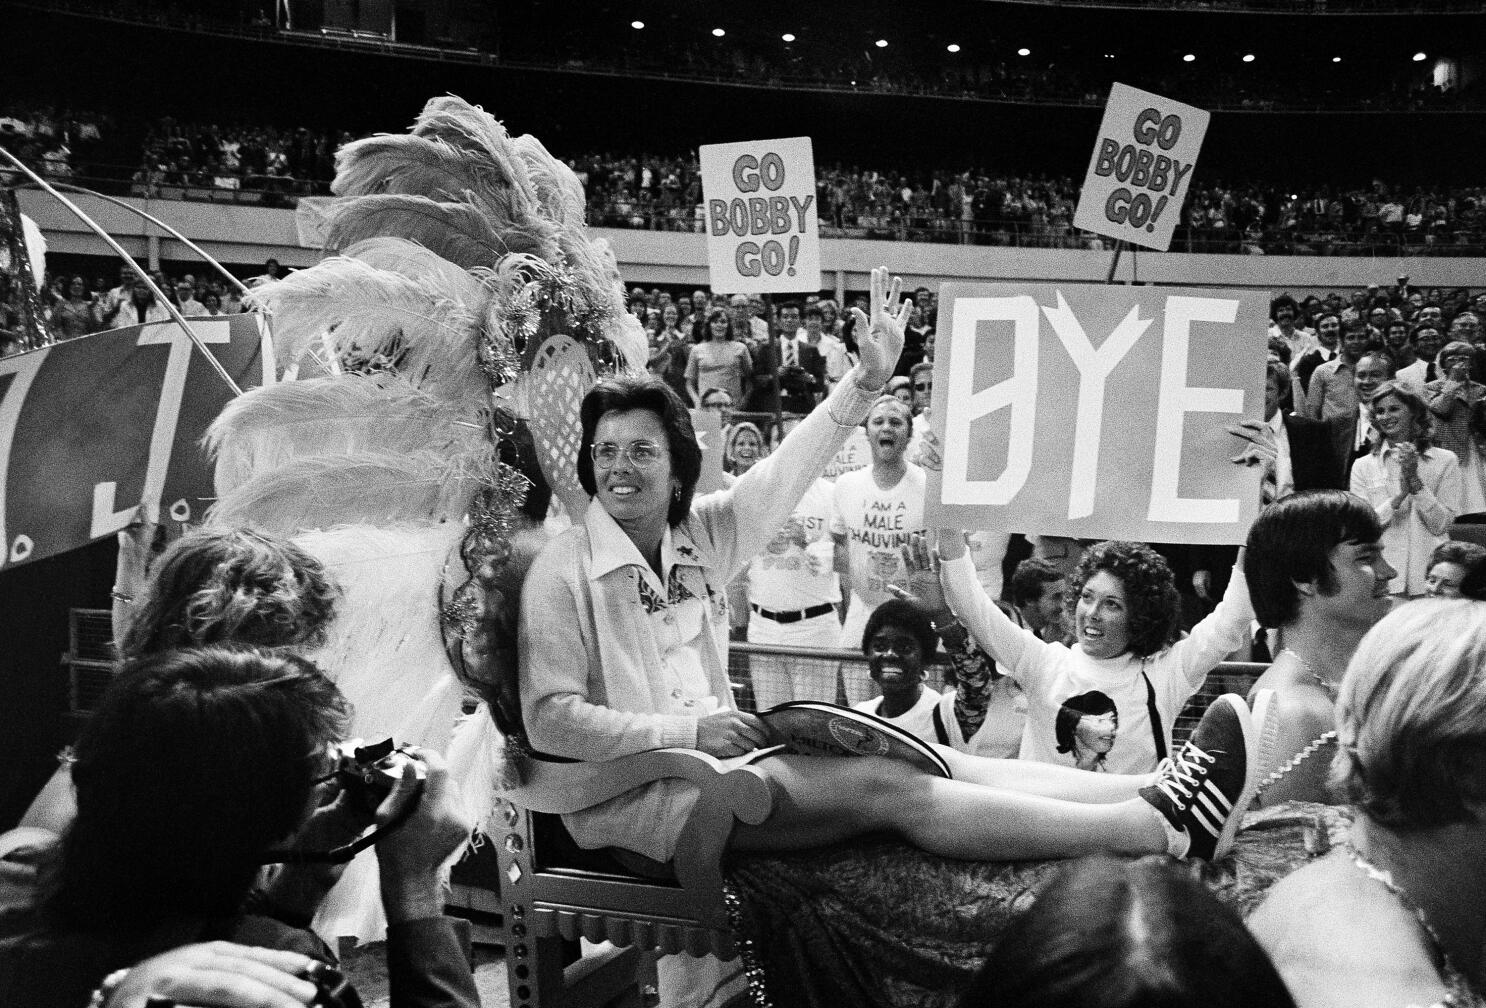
[789, 353]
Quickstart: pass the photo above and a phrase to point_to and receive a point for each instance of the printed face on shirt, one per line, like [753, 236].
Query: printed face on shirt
[630, 492]
[1359, 592]
[1096, 733]
[888, 431]
[1443, 580]
[1101, 619]
[895, 661]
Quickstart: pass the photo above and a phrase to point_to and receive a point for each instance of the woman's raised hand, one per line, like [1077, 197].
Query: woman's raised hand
[880, 338]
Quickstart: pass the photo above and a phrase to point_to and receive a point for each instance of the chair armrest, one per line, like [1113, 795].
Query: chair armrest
[728, 796]
[571, 787]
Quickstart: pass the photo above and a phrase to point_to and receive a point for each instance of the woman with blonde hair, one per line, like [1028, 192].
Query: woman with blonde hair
[1397, 915]
[1412, 485]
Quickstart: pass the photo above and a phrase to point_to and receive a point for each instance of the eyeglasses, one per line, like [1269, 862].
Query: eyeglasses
[641, 454]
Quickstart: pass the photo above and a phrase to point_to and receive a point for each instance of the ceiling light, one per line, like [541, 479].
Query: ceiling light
[952, 47]
[1336, 59]
[1248, 57]
[1188, 58]
[718, 33]
[881, 43]
[1419, 57]
[788, 37]
[637, 25]
[1024, 52]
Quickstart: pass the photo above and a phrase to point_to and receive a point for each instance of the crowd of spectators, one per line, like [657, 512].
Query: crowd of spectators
[967, 204]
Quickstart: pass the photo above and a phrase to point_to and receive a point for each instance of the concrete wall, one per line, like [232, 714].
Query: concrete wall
[248, 235]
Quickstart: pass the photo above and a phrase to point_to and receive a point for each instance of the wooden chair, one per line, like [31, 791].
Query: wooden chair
[550, 894]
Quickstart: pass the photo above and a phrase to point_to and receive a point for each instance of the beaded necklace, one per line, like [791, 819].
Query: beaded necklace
[1460, 992]
[1314, 746]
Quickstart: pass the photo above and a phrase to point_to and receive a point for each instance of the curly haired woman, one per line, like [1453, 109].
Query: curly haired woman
[1123, 608]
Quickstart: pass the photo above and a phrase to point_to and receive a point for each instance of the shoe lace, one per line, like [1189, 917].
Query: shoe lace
[1182, 775]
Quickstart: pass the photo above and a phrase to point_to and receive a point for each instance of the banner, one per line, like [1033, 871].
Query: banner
[93, 428]
[1141, 167]
[763, 227]
[1096, 411]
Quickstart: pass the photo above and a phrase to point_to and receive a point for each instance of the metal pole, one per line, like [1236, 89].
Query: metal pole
[69, 187]
[1119, 246]
[139, 271]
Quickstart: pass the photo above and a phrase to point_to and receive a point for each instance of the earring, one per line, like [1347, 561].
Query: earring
[676, 493]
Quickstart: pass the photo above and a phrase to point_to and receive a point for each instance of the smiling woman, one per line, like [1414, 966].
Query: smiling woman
[1124, 616]
[1413, 486]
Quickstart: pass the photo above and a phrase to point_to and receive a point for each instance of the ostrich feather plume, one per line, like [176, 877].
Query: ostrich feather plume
[458, 232]
[345, 415]
[398, 255]
[418, 324]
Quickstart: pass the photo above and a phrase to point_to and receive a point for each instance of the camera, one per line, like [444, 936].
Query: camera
[368, 772]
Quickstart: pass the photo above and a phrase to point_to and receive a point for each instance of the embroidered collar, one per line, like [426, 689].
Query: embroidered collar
[610, 549]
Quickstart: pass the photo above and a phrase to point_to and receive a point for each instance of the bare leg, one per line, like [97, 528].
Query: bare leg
[1046, 779]
[823, 800]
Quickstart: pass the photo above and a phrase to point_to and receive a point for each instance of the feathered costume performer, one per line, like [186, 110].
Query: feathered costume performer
[458, 318]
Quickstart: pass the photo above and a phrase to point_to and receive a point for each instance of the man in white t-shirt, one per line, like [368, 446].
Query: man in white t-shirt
[897, 642]
[876, 510]
[793, 592]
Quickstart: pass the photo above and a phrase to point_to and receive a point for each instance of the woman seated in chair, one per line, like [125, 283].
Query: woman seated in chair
[1395, 916]
[623, 647]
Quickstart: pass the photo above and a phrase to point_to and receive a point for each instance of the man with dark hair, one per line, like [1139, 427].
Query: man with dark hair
[802, 368]
[1328, 336]
[1331, 392]
[1038, 591]
[1318, 581]
[1285, 313]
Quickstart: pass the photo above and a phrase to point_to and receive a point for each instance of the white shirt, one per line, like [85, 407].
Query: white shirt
[796, 570]
[1284, 473]
[917, 720]
[1422, 521]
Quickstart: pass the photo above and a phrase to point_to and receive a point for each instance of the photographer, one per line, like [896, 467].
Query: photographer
[198, 768]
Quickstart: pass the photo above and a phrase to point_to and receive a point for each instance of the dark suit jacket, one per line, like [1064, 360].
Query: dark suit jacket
[1306, 366]
[1315, 461]
[800, 389]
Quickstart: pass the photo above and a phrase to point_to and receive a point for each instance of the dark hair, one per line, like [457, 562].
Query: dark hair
[906, 616]
[1150, 591]
[785, 305]
[195, 763]
[620, 394]
[1075, 709]
[1284, 301]
[1291, 542]
[1471, 557]
[1326, 315]
[221, 586]
[1279, 348]
[812, 311]
[1108, 933]
[713, 316]
[1028, 581]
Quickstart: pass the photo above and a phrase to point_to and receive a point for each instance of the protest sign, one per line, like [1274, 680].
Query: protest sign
[1141, 167]
[763, 231]
[92, 429]
[1096, 412]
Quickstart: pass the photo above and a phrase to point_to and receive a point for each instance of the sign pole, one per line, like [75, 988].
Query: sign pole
[1115, 262]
